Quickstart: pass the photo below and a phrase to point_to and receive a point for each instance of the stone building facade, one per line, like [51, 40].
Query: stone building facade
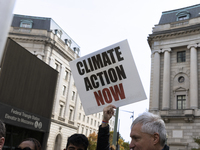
[175, 75]
[44, 38]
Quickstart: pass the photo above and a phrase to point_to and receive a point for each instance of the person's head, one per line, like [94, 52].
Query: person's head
[77, 142]
[29, 144]
[2, 134]
[148, 132]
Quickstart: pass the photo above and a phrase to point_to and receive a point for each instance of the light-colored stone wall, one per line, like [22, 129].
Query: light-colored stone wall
[57, 129]
[181, 133]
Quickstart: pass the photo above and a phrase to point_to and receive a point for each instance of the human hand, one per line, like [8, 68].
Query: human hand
[108, 112]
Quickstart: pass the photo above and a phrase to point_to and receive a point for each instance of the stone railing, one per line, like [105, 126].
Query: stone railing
[177, 112]
[179, 23]
[185, 114]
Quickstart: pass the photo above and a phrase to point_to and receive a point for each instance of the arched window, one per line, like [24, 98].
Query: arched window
[183, 15]
[58, 142]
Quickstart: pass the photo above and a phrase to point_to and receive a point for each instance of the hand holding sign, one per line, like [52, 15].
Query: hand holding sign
[108, 112]
[107, 76]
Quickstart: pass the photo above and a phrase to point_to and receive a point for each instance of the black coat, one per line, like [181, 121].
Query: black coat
[165, 147]
[103, 138]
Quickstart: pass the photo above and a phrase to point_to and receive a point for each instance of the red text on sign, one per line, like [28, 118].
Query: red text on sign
[107, 94]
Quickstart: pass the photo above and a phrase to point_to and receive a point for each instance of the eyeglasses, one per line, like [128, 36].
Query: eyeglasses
[26, 148]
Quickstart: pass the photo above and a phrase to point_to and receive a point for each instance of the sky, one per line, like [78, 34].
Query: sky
[95, 24]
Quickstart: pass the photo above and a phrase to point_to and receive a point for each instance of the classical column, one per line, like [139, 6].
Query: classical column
[76, 109]
[69, 95]
[59, 89]
[166, 80]
[193, 77]
[156, 80]
[47, 54]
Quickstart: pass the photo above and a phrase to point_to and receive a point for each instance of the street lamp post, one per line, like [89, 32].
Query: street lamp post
[116, 122]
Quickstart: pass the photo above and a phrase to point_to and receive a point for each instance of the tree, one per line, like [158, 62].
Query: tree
[196, 140]
[123, 145]
[126, 145]
[92, 141]
[111, 137]
[120, 143]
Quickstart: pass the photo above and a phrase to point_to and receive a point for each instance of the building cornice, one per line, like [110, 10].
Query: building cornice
[173, 32]
[46, 41]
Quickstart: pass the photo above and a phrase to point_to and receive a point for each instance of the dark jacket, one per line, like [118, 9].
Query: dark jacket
[103, 138]
[165, 147]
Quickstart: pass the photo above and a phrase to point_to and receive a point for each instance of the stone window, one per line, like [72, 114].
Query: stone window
[91, 121]
[66, 74]
[64, 89]
[79, 116]
[181, 56]
[57, 65]
[95, 122]
[73, 95]
[71, 114]
[181, 79]
[82, 130]
[86, 132]
[83, 118]
[78, 128]
[61, 110]
[181, 102]
[26, 23]
[183, 15]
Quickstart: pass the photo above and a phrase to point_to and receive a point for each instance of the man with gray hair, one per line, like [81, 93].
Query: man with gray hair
[2, 134]
[148, 133]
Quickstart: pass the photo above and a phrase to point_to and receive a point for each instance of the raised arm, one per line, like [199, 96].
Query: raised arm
[103, 134]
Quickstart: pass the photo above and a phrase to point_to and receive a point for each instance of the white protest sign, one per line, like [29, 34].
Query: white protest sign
[107, 76]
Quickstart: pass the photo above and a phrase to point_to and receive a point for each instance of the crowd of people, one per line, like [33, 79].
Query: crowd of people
[147, 133]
